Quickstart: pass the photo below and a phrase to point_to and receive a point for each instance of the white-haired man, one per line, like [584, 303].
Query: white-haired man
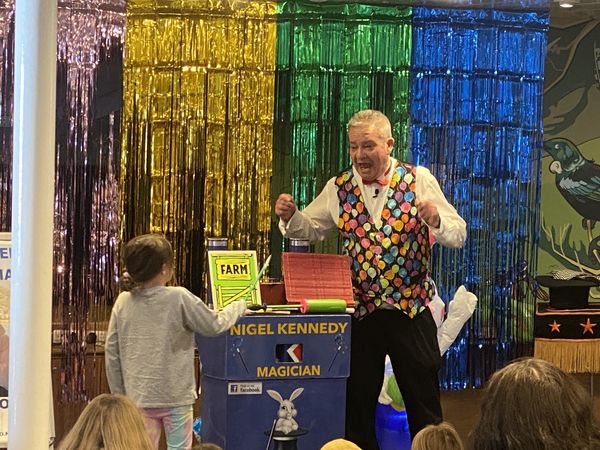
[385, 210]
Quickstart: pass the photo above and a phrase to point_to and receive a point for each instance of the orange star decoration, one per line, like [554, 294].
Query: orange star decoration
[554, 327]
[588, 326]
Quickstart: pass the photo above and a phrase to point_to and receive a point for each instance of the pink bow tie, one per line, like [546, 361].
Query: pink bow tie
[380, 181]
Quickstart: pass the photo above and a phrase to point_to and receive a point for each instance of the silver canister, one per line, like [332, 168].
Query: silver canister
[299, 246]
[214, 243]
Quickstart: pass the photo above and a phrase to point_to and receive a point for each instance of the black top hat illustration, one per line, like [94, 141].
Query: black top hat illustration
[568, 294]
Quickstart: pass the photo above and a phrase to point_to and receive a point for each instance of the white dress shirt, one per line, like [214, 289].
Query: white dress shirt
[319, 218]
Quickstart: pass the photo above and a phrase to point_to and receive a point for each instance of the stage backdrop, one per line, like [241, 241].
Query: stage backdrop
[475, 102]
[333, 60]
[199, 84]
[86, 217]
[476, 110]
[570, 236]
[87, 211]
[221, 94]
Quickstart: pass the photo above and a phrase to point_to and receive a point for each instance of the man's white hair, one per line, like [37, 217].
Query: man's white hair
[368, 117]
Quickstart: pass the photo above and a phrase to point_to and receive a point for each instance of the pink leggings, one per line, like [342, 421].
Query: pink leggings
[177, 423]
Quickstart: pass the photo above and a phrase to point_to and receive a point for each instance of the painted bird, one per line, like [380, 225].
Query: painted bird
[577, 179]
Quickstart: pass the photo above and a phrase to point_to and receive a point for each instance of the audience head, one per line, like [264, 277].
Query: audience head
[531, 404]
[108, 422]
[145, 257]
[340, 444]
[437, 437]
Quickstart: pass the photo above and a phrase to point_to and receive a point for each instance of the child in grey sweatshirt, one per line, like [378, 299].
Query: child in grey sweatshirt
[150, 341]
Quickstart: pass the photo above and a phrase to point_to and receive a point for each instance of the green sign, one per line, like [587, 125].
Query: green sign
[233, 275]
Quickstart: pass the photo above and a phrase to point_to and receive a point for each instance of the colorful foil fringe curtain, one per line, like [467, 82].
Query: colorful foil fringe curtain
[333, 60]
[213, 87]
[90, 38]
[86, 215]
[476, 112]
[198, 126]
[475, 106]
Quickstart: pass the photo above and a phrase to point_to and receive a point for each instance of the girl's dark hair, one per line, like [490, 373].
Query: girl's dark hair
[533, 405]
[144, 257]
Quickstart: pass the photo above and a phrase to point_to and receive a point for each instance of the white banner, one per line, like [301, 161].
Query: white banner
[5, 275]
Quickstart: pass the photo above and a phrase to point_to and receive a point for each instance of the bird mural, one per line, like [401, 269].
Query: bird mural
[578, 181]
[577, 178]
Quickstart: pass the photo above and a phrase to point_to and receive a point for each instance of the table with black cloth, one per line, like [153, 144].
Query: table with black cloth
[568, 338]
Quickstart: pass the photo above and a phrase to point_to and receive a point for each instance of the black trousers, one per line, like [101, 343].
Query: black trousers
[414, 352]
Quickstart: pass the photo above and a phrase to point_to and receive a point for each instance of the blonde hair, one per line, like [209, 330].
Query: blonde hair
[372, 117]
[437, 437]
[340, 444]
[109, 422]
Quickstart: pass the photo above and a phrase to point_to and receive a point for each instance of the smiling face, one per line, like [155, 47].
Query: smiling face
[369, 151]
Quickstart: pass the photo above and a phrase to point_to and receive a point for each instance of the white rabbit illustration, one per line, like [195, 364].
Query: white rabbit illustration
[285, 422]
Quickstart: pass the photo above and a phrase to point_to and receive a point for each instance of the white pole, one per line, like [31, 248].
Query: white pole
[32, 224]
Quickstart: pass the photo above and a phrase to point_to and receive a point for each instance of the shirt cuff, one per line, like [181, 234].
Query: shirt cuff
[439, 230]
[293, 225]
[282, 227]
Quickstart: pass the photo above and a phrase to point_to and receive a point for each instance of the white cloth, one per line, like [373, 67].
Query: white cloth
[321, 216]
[149, 350]
[460, 309]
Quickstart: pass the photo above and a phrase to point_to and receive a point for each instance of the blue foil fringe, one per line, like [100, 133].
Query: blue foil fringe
[476, 109]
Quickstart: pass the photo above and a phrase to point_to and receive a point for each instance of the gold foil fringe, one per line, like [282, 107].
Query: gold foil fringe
[574, 356]
[197, 125]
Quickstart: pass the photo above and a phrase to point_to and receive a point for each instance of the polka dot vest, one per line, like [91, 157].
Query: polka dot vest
[390, 263]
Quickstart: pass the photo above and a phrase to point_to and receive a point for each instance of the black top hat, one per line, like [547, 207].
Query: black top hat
[568, 294]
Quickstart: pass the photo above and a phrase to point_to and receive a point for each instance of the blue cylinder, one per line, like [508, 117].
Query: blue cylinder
[299, 246]
[391, 428]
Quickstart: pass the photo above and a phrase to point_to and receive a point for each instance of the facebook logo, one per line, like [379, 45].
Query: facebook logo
[245, 388]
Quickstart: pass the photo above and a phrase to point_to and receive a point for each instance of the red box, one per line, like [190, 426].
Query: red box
[317, 276]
